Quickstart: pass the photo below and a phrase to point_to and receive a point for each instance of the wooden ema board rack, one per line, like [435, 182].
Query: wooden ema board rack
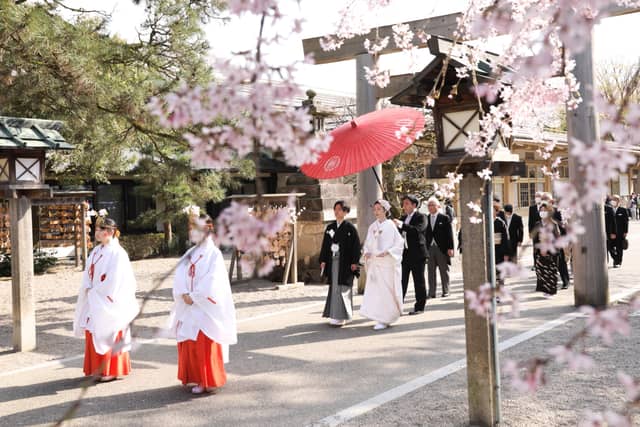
[5, 238]
[60, 226]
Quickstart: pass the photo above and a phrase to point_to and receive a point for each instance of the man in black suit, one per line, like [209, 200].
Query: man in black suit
[563, 269]
[617, 226]
[515, 227]
[439, 235]
[412, 226]
[534, 217]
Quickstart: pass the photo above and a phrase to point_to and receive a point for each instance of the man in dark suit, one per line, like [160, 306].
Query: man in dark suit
[515, 227]
[439, 236]
[412, 226]
[563, 269]
[610, 228]
[617, 229]
[534, 217]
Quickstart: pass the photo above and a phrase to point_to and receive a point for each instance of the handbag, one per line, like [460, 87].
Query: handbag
[625, 244]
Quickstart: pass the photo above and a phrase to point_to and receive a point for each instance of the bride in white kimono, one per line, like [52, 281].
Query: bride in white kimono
[383, 247]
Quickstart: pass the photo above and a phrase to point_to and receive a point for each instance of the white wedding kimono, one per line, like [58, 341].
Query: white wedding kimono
[382, 299]
[202, 274]
[107, 298]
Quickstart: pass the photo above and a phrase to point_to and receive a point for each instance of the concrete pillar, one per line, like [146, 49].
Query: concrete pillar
[23, 303]
[368, 188]
[481, 385]
[591, 280]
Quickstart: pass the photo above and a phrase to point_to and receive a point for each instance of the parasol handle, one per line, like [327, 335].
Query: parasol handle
[373, 169]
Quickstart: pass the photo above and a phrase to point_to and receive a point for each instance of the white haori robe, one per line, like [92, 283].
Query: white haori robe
[107, 298]
[382, 299]
[202, 274]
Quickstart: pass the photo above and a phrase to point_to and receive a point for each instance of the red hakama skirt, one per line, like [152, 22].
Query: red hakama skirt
[200, 362]
[107, 364]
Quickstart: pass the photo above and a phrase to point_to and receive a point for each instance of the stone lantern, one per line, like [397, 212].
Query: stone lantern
[456, 115]
[23, 146]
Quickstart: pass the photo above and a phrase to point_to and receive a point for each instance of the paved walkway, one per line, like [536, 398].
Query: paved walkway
[290, 368]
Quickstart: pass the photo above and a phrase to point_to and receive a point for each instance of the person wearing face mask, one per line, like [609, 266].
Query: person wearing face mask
[382, 300]
[546, 266]
[339, 258]
[515, 227]
[106, 306]
[534, 217]
[203, 317]
[617, 226]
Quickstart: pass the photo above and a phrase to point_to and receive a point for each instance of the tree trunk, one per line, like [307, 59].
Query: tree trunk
[168, 233]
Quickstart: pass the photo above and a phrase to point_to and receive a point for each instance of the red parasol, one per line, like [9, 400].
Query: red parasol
[367, 141]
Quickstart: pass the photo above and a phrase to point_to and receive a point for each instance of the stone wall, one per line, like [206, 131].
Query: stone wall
[318, 202]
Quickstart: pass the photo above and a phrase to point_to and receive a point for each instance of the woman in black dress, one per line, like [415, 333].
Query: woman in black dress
[546, 260]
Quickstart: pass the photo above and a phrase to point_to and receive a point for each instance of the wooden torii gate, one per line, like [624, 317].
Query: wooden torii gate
[366, 95]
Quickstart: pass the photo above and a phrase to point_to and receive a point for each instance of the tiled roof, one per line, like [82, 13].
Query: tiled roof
[19, 133]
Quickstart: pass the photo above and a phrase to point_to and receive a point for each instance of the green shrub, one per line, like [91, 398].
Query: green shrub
[42, 261]
[140, 246]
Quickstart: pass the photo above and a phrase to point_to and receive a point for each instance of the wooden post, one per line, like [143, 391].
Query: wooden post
[591, 279]
[368, 188]
[84, 235]
[481, 357]
[294, 255]
[23, 303]
[77, 234]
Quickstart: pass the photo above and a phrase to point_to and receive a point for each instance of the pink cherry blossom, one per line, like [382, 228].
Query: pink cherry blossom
[606, 323]
[631, 386]
[485, 174]
[577, 361]
[525, 379]
[509, 269]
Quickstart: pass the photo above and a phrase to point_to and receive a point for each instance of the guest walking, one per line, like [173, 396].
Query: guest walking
[515, 227]
[617, 224]
[546, 260]
[534, 218]
[439, 241]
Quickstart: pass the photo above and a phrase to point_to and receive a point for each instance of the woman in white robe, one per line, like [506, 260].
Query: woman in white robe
[383, 247]
[106, 306]
[203, 317]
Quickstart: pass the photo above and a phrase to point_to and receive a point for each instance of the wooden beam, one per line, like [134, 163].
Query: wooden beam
[444, 26]
[396, 84]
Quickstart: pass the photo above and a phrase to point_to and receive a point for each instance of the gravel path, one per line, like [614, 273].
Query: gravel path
[561, 402]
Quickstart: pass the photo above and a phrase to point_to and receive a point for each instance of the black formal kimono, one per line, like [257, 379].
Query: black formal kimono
[546, 263]
[338, 271]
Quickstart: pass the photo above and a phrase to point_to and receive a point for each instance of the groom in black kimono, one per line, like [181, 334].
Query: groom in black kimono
[341, 238]
[412, 226]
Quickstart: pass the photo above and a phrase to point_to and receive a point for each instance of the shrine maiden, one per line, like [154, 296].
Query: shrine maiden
[106, 306]
[383, 248]
[203, 317]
